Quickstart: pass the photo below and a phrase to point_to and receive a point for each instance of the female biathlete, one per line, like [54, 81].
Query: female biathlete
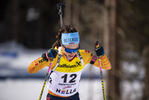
[67, 65]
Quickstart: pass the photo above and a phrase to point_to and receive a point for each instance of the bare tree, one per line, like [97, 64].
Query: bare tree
[146, 79]
[111, 48]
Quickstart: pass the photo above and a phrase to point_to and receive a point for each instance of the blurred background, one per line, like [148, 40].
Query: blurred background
[28, 28]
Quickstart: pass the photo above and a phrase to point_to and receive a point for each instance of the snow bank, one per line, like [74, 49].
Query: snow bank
[30, 90]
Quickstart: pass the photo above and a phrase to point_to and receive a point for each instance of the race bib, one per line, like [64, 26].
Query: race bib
[64, 84]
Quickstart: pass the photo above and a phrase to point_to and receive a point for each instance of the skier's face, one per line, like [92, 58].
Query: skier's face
[70, 50]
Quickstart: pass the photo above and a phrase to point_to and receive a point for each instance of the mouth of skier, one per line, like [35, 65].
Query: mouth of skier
[71, 55]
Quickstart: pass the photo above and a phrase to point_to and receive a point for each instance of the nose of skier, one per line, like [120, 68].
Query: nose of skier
[72, 54]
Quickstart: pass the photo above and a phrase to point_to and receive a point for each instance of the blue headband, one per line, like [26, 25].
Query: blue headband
[70, 38]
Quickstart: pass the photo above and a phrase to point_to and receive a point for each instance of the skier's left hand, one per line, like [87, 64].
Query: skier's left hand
[99, 49]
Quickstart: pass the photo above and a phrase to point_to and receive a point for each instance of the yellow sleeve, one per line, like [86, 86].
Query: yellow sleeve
[87, 57]
[105, 63]
[39, 64]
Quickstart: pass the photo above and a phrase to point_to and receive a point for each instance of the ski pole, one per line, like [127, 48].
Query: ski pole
[45, 81]
[60, 6]
[102, 83]
[101, 75]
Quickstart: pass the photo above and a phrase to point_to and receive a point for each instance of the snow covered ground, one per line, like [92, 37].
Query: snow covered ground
[29, 89]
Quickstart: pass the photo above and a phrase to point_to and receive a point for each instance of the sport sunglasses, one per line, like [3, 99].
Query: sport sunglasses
[71, 50]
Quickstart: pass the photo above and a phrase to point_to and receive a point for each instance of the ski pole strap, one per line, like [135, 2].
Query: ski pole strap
[47, 56]
[93, 60]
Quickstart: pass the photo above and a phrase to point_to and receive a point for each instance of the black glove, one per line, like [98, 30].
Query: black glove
[52, 53]
[99, 50]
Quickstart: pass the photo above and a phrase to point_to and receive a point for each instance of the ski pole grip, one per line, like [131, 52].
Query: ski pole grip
[96, 45]
[61, 5]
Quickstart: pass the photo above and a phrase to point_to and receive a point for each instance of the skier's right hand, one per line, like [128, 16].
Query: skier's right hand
[52, 53]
